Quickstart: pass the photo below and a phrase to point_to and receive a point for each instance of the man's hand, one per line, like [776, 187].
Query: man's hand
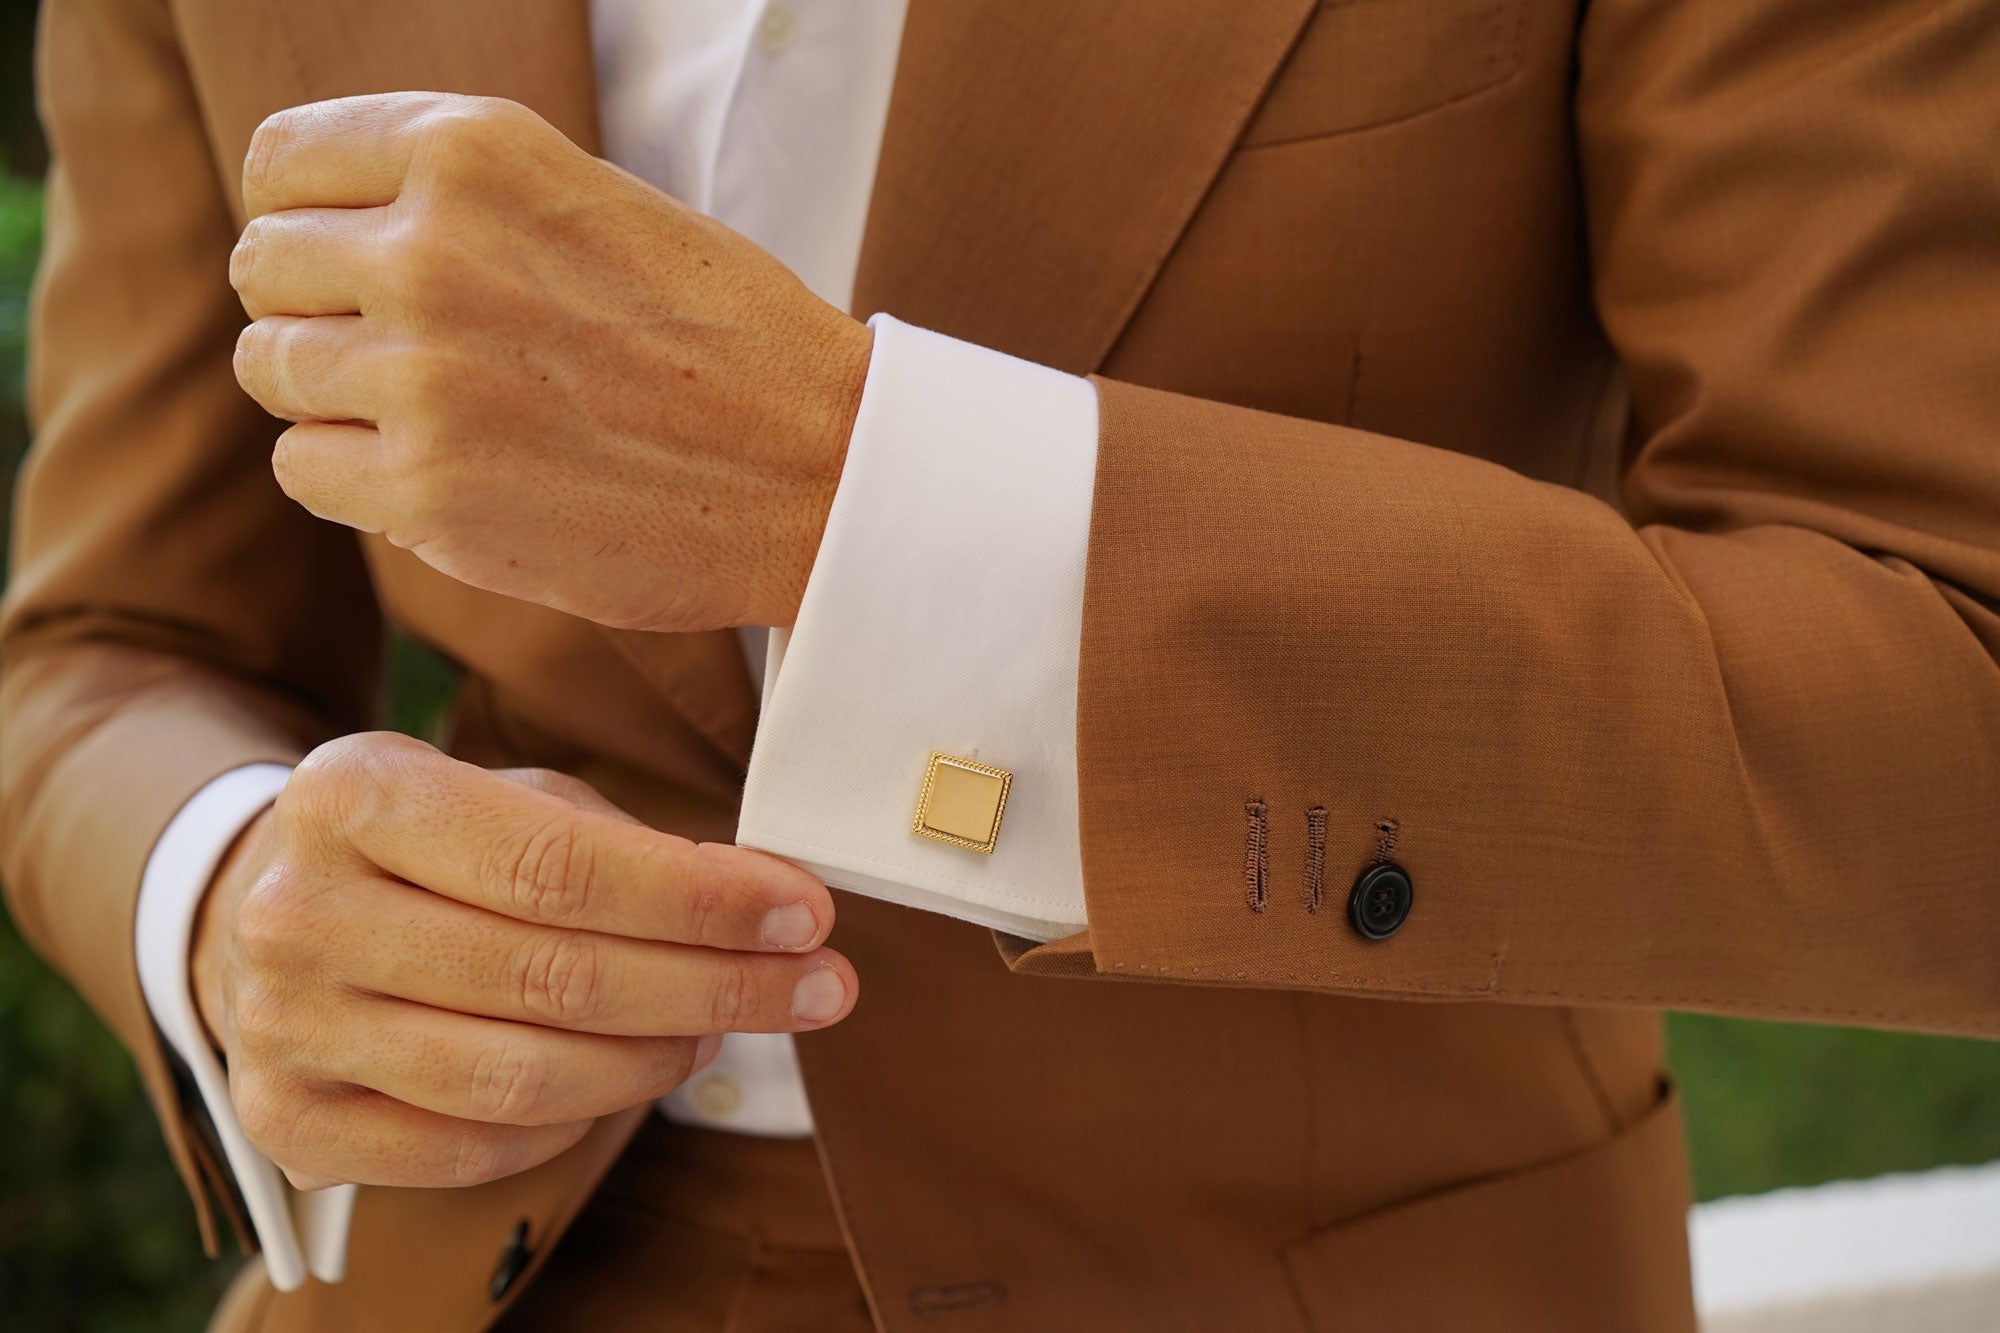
[543, 376]
[426, 974]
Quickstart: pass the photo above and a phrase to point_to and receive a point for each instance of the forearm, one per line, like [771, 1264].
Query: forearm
[1729, 749]
[1746, 770]
[1623, 765]
[104, 744]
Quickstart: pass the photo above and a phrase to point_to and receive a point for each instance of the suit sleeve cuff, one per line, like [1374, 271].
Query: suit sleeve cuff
[299, 1233]
[944, 614]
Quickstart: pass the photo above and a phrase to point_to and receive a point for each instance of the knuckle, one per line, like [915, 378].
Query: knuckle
[510, 1083]
[274, 354]
[413, 261]
[268, 1115]
[267, 922]
[259, 1018]
[285, 466]
[549, 877]
[459, 137]
[563, 980]
[243, 259]
[345, 779]
[505, 110]
[253, 349]
[264, 161]
[429, 489]
[554, 783]
[673, 1061]
[488, 115]
[731, 995]
[476, 1158]
[334, 763]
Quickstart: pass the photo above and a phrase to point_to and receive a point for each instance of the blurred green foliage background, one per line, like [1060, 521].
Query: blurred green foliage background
[95, 1236]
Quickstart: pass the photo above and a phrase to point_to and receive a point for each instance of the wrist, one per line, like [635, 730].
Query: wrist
[215, 918]
[839, 378]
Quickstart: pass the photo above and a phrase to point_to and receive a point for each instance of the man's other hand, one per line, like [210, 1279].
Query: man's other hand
[541, 375]
[424, 973]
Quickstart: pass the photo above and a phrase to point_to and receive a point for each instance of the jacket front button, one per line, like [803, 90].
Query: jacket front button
[513, 1262]
[1380, 902]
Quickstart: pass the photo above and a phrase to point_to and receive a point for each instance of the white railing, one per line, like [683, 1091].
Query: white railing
[1915, 1253]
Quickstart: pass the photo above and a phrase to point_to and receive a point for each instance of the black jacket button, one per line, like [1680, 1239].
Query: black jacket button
[1380, 903]
[513, 1262]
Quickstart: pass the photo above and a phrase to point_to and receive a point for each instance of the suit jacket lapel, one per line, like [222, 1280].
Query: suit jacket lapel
[538, 53]
[1043, 156]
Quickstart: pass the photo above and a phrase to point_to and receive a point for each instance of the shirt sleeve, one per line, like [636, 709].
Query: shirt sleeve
[299, 1232]
[944, 616]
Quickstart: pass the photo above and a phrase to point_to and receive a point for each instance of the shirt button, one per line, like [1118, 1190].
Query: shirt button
[777, 28]
[717, 1096]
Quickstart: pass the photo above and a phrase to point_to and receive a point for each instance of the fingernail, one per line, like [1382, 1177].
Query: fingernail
[790, 927]
[706, 1050]
[818, 996]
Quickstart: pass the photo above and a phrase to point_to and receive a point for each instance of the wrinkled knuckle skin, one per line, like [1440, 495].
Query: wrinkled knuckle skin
[475, 1159]
[257, 1016]
[563, 981]
[243, 259]
[285, 467]
[510, 1084]
[550, 879]
[252, 350]
[348, 778]
[461, 137]
[325, 781]
[274, 351]
[672, 1064]
[265, 158]
[731, 996]
[268, 1118]
[334, 763]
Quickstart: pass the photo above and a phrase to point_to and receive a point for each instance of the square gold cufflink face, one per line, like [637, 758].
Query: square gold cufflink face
[962, 803]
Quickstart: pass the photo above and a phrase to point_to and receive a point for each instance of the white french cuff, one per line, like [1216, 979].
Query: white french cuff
[944, 615]
[299, 1232]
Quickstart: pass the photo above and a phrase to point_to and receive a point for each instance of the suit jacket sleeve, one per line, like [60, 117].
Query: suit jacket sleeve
[172, 615]
[1736, 748]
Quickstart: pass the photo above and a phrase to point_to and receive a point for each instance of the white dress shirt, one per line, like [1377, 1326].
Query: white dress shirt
[944, 610]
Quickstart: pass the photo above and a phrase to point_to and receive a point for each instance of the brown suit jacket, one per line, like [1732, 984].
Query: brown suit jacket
[1564, 443]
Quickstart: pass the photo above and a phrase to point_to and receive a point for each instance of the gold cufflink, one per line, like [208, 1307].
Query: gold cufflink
[962, 803]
